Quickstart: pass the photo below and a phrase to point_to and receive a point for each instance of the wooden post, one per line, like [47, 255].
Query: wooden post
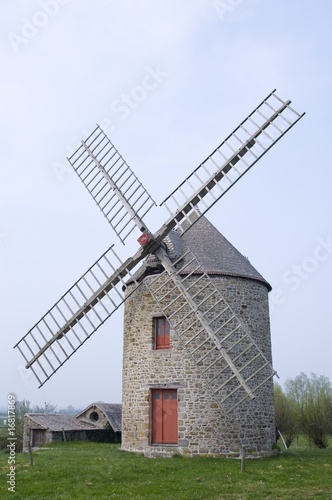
[243, 459]
[29, 448]
[64, 435]
[244, 444]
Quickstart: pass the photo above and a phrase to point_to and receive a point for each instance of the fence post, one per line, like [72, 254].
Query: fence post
[244, 444]
[30, 448]
[243, 459]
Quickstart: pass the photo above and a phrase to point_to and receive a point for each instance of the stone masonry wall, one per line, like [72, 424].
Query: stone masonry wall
[28, 427]
[204, 427]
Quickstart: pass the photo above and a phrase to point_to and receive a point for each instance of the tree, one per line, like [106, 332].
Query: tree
[47, 407]
[312, 399]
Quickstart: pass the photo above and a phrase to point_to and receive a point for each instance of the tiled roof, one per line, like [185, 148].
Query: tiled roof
[216, 254]
[113, 414]
[59, 422]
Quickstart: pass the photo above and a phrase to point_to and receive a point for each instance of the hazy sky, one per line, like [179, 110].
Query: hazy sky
[168, 80]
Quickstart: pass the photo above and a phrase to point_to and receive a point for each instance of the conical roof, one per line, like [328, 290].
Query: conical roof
[216, 254]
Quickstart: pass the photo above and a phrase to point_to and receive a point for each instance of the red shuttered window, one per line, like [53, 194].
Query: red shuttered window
[161, 333]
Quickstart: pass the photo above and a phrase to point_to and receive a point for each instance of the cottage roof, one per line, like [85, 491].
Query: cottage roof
[59, 422]
[112, 412]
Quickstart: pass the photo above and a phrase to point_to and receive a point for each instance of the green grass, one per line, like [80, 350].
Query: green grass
[83, 470]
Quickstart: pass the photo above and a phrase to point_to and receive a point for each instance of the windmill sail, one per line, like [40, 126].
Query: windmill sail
[77, 315]
[232, 159]
[112, 184]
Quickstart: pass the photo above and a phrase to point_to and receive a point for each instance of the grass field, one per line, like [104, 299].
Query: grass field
[92, 470]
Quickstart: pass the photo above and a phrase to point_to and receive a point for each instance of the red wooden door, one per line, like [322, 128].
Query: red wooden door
[164, 416]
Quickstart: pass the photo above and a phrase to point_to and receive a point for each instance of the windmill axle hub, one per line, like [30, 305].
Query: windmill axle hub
[149, 244]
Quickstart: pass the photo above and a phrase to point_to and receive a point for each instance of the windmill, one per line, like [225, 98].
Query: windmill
[212, 343]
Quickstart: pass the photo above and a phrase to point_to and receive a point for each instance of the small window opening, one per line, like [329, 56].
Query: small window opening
[161, 333]
[94, 416]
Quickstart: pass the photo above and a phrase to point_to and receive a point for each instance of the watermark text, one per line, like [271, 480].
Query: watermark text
[223, 7]
[32, 26]
[298, 273]
[11, 445]
[121, 108]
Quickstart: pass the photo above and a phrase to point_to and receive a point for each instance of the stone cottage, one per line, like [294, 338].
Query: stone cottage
[98, 422]
[104, 416]
[42, 428]
[169, 403]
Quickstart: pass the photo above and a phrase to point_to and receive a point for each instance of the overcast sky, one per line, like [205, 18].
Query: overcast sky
[168, 80]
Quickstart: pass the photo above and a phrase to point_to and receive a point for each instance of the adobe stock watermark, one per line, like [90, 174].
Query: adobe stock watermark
[295, 276]
[132, 99]
[11, 445]
[121, 108]
[223, 7]
[32, 26]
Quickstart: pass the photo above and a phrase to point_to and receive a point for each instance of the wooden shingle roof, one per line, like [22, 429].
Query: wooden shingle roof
[112, 412]
[58, 422]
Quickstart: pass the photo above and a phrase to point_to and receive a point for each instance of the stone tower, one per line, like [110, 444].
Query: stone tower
[168, 403]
